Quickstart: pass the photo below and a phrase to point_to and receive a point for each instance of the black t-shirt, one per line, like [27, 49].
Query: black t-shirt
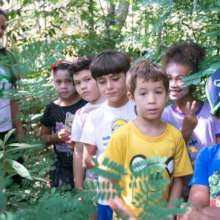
[56, 117]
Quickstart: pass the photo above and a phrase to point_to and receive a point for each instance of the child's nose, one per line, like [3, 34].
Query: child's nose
[109, 84]
[151, 98]
[173, 82]
[83, 86]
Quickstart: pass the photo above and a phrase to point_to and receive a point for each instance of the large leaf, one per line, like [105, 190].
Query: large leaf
[1, 155]
[19, 169]
[22, 146]
[8, 135]
[1, 143]
[195, 78]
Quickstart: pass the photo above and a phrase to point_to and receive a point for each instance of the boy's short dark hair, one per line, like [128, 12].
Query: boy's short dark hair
[185, 53]
[147, 71]
[82, 63]
[109, 61]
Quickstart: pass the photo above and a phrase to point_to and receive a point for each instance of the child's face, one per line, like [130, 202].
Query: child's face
[2, 25]
[63, 84]
[113, 87]
[86, 86]
[150, 98]
[176, 72]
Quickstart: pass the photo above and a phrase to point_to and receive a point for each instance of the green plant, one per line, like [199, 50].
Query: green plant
[148, 182]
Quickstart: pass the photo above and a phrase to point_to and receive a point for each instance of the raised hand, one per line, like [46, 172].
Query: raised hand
[190, 121]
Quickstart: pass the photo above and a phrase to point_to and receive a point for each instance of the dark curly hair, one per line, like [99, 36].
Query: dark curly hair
[186, 53]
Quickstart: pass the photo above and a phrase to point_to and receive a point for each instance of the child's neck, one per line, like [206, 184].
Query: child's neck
[151, 128]
[66, 102]
[98, 101]
[119, 103]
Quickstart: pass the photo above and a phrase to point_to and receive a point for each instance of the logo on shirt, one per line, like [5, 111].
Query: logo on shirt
[117, 124]
[69, 121]
[170, 166]
[5, 84]
[137, 164]
[214, 185]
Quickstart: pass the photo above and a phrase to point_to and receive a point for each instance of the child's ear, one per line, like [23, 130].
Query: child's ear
[130, 96]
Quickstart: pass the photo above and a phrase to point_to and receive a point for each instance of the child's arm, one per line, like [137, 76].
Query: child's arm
[78, 169]
[118, 205]
[16, 122]
[88, 152]
[54, 138]
[199, 197]
[176, 189]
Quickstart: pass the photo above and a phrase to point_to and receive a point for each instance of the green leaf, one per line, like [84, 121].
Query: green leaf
[8, 135]
[20, 169]
[22, 146]
[1, 143]
[1, 155]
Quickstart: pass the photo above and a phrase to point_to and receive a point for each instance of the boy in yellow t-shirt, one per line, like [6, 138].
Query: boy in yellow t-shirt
[147, 136]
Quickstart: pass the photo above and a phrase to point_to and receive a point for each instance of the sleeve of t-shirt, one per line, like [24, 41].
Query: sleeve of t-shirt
[216, 124]
[46, 118]
[182, 163]
[89, 131]
[77, 127]
[200, 175]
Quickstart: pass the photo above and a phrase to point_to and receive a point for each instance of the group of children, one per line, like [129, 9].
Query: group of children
[104, 93]
[108, 108]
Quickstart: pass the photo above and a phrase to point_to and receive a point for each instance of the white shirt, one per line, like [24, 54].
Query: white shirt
[101, 122]
[79, 120]
[5, 106]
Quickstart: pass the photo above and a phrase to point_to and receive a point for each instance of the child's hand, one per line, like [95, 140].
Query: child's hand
[87, 161]
[190, 121]
[64, 135]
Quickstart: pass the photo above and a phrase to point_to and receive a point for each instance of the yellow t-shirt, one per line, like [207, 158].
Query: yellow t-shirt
[128, 146]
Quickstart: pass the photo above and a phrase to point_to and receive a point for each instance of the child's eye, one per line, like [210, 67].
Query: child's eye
[68, 81]
[159, 92]
[142, 93]
[116, 78]
[76, 83]
[58, 82]
[100, 81]
[87, 79]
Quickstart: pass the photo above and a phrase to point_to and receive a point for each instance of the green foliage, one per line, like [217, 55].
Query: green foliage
[41, 32]
[56, 204]
[147, 181]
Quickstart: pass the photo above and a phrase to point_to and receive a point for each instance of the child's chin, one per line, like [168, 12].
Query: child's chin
[174, 98]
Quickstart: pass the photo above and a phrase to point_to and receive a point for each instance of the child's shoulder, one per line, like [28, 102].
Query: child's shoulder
[50, 105]
[169, 108]
[173, 131]
[98, 112]
[204, 108]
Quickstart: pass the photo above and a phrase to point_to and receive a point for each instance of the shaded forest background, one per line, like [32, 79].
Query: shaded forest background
[43, 31]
